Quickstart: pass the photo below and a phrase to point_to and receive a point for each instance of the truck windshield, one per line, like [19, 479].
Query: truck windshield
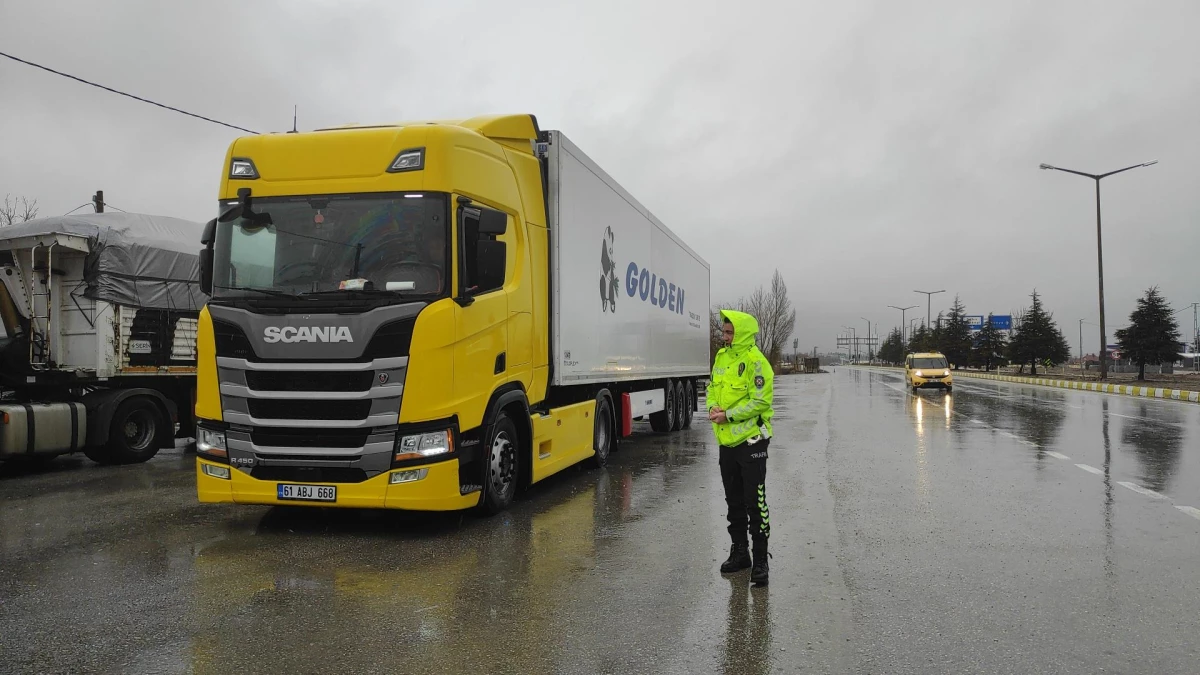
[929, 363]
[328, 244]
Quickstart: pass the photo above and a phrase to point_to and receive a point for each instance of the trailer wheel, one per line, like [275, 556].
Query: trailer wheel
[680, 406]
[664, 420]
[603, 436]
[134, 431]
[502, 460]
[689, 404]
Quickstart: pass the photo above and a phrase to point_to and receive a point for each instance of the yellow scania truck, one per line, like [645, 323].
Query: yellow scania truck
[433, 316]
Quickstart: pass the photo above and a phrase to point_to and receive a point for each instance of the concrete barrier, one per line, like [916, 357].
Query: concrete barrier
[1103, 388]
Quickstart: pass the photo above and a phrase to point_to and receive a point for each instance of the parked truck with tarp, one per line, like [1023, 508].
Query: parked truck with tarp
[99, 347]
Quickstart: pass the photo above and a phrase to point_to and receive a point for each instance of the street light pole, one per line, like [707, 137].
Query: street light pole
[1081, 344]
[902, 324]
[929, 303]
[1100, 250]
[868, 338]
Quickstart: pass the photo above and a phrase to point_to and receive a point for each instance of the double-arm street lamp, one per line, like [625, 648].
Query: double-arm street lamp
[1100, 250]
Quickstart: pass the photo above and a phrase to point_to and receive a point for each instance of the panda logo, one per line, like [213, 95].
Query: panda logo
[608, 273]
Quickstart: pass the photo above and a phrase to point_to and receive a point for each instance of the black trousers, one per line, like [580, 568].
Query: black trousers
[744, 475]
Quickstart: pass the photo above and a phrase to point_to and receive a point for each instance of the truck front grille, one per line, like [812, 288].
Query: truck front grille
[285, 409]
[274, 437]
[283, 380]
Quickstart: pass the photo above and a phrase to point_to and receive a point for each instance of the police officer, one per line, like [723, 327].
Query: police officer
[739, 406]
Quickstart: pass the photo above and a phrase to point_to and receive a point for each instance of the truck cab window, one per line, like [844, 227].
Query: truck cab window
[483, 255]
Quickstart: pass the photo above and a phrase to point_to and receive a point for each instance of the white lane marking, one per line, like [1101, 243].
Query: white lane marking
[1090, 469]
[978, 422]
[1057, 455]
[1190, 510]
[1141, 490]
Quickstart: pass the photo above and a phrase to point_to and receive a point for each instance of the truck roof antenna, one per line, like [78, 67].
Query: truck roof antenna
[295, 111]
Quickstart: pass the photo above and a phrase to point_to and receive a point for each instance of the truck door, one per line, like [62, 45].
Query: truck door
[481, 345]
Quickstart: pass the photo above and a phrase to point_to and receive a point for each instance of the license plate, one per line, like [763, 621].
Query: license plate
[309, 493]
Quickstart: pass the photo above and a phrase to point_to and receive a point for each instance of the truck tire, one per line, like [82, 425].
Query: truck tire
[603, 436]
[680, 405]
[134, 431]
[664, 420]
[502, 470]
[689, 404]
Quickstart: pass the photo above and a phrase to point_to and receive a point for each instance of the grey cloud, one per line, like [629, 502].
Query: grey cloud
[864, 150]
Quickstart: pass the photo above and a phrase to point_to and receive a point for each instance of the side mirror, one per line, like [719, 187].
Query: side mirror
[210, 233]
[492, 222]
[206, 271]
[490, 260]
[206, 256]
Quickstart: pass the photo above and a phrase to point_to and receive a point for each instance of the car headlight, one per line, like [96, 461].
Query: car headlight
[947, 373]
[417, 446]
[918, 374]
[211, 442]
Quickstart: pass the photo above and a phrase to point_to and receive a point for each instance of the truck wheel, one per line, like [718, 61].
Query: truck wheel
[502, 466]
[602, 440]
[134, 431]
[689, 404]
[680, 406]
[664, 420]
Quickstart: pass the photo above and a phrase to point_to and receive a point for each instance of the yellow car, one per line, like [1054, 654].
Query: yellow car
[929, 370]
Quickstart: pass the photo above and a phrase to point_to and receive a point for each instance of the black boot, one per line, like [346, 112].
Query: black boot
[739, 559]
[760, 572]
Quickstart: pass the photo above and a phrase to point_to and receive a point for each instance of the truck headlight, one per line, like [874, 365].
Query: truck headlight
[211, 442]
[918, 374]
[947, 373]
[430, 444]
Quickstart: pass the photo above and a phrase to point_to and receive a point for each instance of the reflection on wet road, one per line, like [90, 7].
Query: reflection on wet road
[921, 534]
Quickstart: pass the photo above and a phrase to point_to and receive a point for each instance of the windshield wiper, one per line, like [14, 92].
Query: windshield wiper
[265, 291]
[363, 291]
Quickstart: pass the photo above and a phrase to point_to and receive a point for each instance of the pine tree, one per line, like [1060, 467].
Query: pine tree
[955, 339]
[935, 334]
[920, 340]
[990, 345]
[1152, 336]
[1038, 339]
[892, 349]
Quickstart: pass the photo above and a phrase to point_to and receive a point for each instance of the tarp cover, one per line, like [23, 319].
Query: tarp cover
[137, 260]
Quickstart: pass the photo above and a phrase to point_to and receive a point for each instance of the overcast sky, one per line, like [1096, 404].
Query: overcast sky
[863, 149]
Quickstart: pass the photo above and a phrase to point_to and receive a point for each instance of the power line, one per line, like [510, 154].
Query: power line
[115, 91]
[77, 208]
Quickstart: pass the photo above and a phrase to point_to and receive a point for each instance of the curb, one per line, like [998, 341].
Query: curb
[1117, 389]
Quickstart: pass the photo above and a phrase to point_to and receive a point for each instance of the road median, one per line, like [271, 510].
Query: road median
[1098, 387]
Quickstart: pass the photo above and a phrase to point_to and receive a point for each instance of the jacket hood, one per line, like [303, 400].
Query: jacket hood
[745, 327]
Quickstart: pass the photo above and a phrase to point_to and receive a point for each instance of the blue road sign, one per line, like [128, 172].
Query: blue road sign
[1002, 322]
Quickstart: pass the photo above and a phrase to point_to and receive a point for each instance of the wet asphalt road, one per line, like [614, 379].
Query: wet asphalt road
[911, 534]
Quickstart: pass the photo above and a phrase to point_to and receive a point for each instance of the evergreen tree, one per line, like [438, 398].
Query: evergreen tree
[1152, 336]
[935, 334]
[892, 349]
[990, 345]
[955, 340]
[1038, 340]
[920, 340]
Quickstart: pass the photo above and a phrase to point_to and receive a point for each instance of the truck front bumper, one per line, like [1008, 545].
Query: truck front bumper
[438, 490]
